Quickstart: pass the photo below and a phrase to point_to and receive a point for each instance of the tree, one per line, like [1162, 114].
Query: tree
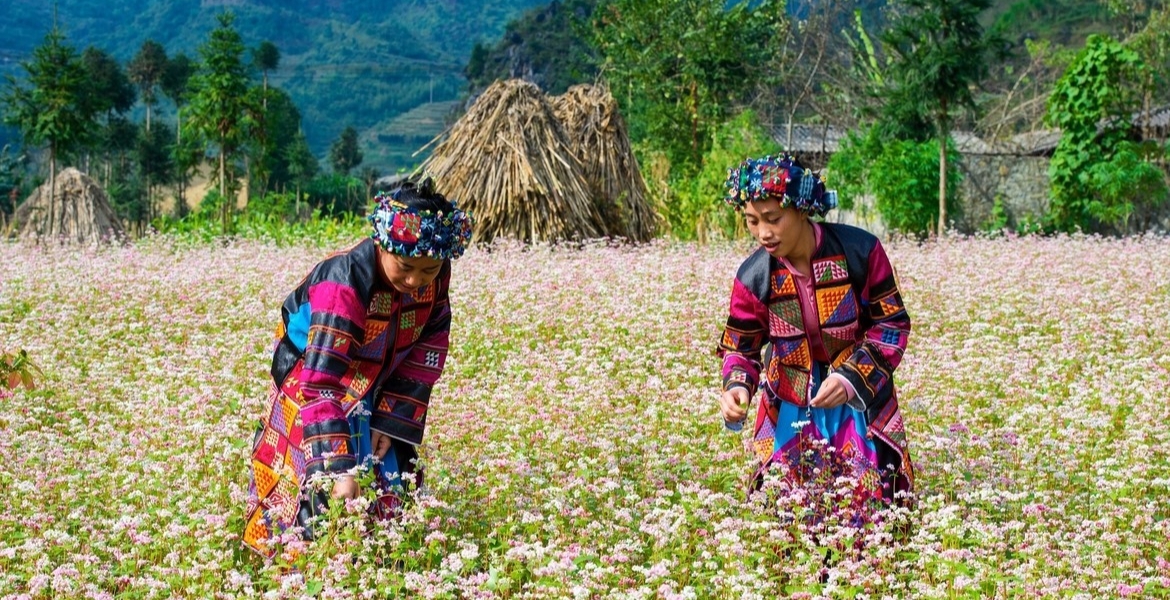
[1092, 105]
[219, 98]
[112, 94]
[281, 126]
[679, 66]
[940, 52]
[146, 71]
[174, 85]
[266, 57]
[109, 87]
[155, 162]
[345, 154]
[302, 165]
[56, 110]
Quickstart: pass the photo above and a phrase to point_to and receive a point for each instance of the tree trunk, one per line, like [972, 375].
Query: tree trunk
[222, 193]
[943, 134]
[147, 117]
[264, 100]
[182, 170]
[52, 190]
[942, 184]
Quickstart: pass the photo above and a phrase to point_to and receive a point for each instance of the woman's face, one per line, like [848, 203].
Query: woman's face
[776, 229]
[407, 275]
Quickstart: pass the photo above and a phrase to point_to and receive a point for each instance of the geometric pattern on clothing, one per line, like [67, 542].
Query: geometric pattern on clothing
[432, 358]
[894, 337]
[788, 311]
[839, 342]
[277, 462]
[779, 328]
[377, 339]
[765, 434]
[783, 284]
[830, 270]
[793, 353]
[409, 329]
[789, 384]
[736, 340]
[836, 305]
[891, 304]
[425, 294]
[382, 303]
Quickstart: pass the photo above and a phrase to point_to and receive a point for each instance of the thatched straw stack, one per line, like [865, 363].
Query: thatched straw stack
[598, 136]
[507, 161]
[82, 211]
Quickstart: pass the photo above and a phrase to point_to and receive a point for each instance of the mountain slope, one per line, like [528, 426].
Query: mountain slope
[344, 62]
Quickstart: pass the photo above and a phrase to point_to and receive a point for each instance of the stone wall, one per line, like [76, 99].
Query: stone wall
[1020, 181]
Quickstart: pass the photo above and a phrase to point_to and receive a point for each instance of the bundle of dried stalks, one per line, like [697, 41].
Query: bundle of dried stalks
[599, 138]
[508, 163]
[81, 212]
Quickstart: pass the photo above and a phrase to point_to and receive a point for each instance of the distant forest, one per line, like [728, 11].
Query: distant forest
[356, 63]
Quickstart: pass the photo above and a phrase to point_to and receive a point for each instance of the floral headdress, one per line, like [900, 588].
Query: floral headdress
[410, 232]
[782, 179]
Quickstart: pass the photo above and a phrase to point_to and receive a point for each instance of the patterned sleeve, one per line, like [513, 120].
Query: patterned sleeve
[743, 337]
[871, 367]
[402, 405]
[337, 320]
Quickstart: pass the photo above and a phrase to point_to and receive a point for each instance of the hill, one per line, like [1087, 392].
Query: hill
[352, 62]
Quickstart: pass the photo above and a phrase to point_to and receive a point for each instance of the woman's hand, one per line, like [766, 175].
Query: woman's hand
[831, 395]
[381, 444]
[345, 487]
[733, 404]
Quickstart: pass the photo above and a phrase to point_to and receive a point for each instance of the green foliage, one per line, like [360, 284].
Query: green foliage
[12, 176]
[677, 67]
[1059, 21]
[110, 88]
[146, 70]
[128, 197]
[17, 369]
[266, 57]
[698, 204]
[280, 206]
[220, 103]
[904, 181]
[301, 164]
[277, 129]
[940, 54]
[57, 109]
[175, 78]
[901, 175]
[1125, 184]
[153, 155]
[848, 168]
[335, 194]
[345, 154]
[1101, 87]
[266, 220]
[550, 45]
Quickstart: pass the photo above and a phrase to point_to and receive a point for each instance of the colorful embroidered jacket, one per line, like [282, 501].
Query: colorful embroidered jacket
[346, 333]
[864, 326]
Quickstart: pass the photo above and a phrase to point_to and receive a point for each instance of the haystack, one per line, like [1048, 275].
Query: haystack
[601, 142]
[508, 162]
[82, 212]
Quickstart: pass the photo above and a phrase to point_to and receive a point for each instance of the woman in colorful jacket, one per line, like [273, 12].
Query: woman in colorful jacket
[823, 298]
[362, 340]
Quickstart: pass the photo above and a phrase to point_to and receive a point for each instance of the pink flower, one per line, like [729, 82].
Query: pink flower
[1130, 590]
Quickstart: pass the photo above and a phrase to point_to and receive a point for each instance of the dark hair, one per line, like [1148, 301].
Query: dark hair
[421, 195]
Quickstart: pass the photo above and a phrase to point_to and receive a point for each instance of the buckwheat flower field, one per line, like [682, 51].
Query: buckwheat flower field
[574, 447]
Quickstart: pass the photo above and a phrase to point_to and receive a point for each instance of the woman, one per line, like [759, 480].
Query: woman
[362, 340]
[824, 298]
